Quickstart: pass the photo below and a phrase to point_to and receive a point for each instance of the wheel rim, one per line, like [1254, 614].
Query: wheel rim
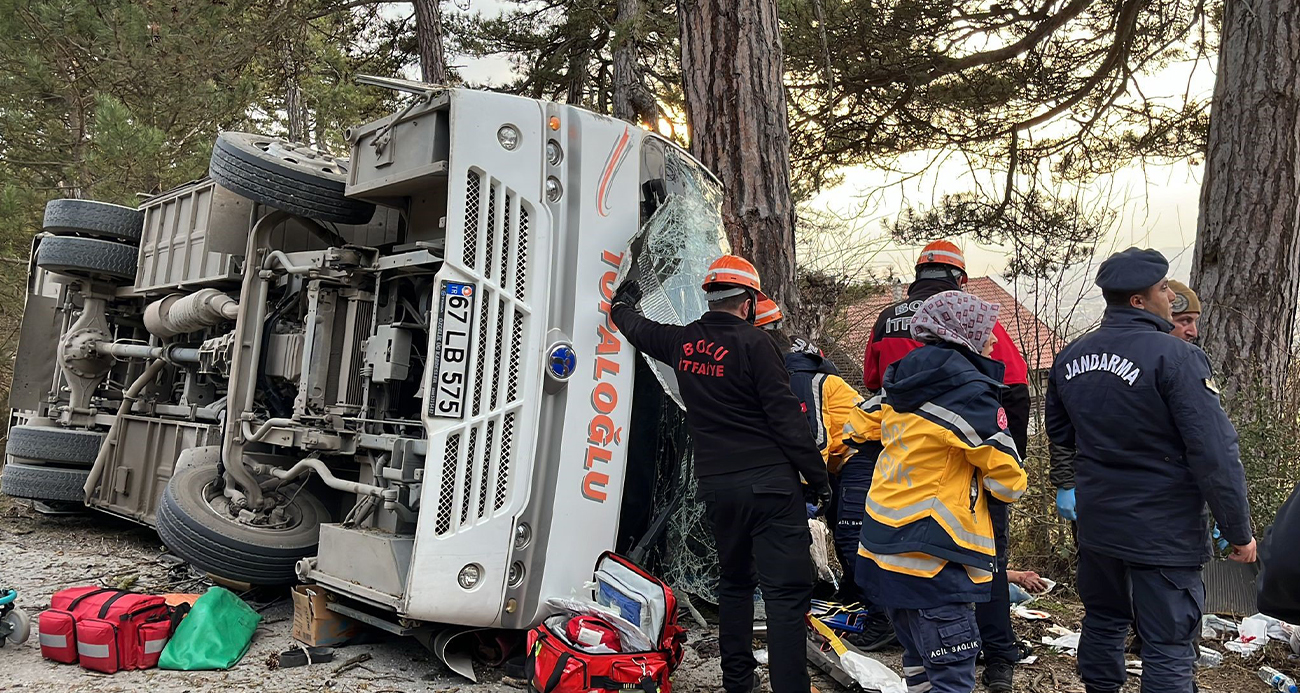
[302, 156]
[285, 517]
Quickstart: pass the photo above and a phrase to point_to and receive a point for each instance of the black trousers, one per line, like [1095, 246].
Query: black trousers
[761, 528]
[1166, 603]
[994, 616]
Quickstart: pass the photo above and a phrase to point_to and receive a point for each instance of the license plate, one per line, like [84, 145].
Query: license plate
[455, 328]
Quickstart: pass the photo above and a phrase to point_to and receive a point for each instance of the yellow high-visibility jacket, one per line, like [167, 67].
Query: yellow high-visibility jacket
[838, 402]
[827, 400]
[946, 449]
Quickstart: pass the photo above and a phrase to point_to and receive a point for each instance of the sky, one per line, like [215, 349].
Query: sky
[1158, 203]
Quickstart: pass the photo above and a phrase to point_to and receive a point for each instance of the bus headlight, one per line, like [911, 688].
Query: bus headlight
[554, 155]
[469, 576]
[508, 137]
[553, 189]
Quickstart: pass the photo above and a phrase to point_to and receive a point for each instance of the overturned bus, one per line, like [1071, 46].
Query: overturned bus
[392, 375]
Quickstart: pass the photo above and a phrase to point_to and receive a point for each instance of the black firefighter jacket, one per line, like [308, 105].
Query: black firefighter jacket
[740, 410]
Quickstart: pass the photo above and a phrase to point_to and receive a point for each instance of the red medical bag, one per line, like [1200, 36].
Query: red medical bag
[105, 629]
[557, 665]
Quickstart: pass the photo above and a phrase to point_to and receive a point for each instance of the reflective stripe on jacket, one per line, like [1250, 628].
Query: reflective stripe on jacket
[946, 449]
[828, 401]
[891, 338]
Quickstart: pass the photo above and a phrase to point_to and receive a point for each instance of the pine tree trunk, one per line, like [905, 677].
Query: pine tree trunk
[428, 37]
[1247, 262]
[579, 60]
[295, 119]
[633, 101]
[736, 111]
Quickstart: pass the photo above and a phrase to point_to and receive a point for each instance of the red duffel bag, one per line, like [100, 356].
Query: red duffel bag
[559, 664]
[105, 629]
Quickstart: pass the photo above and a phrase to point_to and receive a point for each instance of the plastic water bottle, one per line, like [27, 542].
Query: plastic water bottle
[1209, 658]
[1276, 680]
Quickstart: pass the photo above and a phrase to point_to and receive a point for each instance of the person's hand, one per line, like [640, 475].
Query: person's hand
[1065, 503]
[628, 293]
[823, 499]
[1219, 541]
[1027, 579]
[1243, 554]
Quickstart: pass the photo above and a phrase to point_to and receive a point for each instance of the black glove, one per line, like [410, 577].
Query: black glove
[628, 294]
[823, 499]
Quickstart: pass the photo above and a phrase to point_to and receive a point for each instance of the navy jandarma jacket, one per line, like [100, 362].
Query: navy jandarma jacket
[1153, 444]
[927, 537]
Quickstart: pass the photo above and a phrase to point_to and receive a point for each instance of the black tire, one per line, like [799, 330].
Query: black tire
[280, 174]
[43, 483]
[50, 444]
[195, 531]
[96, 219]
[88, 258]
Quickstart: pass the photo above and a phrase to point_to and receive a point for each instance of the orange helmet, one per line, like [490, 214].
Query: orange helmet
[732, 271]
[942, 253]
[767, 313]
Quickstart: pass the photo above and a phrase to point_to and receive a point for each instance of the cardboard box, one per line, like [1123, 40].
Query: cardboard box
[314, 624]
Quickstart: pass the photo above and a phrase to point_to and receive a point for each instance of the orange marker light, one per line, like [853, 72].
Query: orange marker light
[555, 122]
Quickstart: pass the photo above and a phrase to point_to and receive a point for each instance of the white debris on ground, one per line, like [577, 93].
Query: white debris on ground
[41, 555]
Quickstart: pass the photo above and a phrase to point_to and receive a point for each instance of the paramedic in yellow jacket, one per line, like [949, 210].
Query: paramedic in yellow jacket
[827, 398]
[927, 549]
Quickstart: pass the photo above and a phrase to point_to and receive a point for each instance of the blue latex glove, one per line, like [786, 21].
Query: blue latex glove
[1219, 541]
[1065, 503]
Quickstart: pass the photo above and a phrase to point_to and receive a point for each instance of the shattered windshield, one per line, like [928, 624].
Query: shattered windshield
[681, 233]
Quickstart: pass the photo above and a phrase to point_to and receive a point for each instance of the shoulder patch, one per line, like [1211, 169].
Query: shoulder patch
[1002, 416]
[1211, 385]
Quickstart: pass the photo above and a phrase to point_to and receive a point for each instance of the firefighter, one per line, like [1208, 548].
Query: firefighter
[942, 267]
[1153, 446]
[751, 445]
[928, 552]
[768, 315]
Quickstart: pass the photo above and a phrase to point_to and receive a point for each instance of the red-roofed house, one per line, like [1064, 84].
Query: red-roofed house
[1036, 341]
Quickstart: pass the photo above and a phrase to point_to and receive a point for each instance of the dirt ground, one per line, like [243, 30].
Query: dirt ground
[40, 555]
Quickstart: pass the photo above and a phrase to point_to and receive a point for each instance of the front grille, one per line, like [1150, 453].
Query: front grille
[521, 255]
[486, 463]
[469, 478]
[505, 277]
[447, 486]
[516, 351]
[491, 232]
[500, 331]
[474, 182]
[479, 458]
[481, 363]
[503, 473]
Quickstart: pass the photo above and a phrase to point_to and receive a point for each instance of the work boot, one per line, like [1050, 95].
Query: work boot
[998, 676]
[877, 634]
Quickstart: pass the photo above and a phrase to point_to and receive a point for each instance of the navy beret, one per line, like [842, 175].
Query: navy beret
[1132, 270]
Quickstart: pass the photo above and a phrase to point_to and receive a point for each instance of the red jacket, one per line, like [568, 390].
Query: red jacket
[891, 338]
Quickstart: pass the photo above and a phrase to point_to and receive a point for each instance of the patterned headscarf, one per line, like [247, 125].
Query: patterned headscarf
[956, 317]
[802, 346]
